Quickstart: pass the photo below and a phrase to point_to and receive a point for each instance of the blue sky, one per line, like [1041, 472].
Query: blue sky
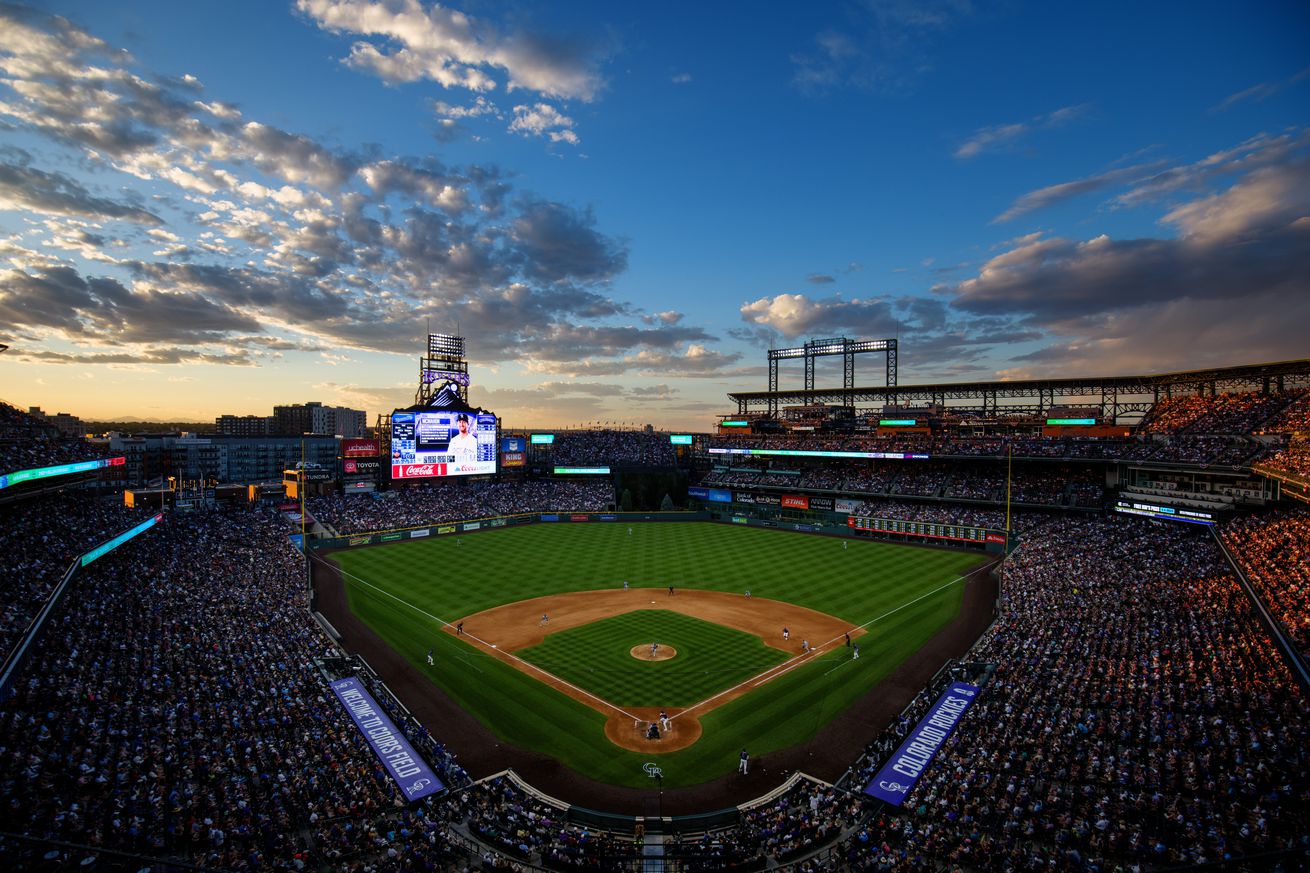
[210, 208]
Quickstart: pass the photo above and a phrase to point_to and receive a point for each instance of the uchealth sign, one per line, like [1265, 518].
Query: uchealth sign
[795, 501]
[899, 775]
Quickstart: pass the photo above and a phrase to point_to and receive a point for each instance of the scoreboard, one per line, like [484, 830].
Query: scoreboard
[928, 530]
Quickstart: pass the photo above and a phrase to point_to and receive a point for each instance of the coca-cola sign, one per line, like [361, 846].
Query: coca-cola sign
[417, 471]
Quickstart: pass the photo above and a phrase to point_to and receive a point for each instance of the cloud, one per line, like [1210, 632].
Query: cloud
[25, 187]
[544, 120]
[820, 279]
[1260, 92]
[883, 45]
[1005, 136]
[1260, 150]
[1051, 195]
[681, 78]
[238, 358]
[1234, 277]
[795, 314]
[103, 310]
[456, 50]
[556, 243]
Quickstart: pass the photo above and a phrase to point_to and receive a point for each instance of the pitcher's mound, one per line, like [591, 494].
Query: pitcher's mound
[642, 652]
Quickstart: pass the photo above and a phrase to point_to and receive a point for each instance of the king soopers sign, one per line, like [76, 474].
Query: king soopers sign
[898, 776]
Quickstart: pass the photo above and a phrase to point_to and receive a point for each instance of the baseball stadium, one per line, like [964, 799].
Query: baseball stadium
[823, 632]
[846, 437]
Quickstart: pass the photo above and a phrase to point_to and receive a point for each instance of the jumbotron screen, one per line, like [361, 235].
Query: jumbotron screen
[442, 443]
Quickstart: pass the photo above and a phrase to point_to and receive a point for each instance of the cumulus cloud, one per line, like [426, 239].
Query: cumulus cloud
[456, 50]
[544, 120]
[795, 314]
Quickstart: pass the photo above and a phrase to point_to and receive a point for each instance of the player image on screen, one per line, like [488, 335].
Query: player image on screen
[442, 443]
[464, 445]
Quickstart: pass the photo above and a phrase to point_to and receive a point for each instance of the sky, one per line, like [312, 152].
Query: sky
[211, 208]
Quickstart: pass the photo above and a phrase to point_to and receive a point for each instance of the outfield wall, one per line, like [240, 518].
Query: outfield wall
[459, 527]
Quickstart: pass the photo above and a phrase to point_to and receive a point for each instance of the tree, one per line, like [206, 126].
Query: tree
[666, 505]
[625, 500]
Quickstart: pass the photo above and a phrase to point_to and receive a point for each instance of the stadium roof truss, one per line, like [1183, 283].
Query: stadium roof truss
[822, 348]
[1127, 397]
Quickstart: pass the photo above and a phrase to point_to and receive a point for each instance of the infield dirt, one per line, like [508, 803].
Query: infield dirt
[507, 629]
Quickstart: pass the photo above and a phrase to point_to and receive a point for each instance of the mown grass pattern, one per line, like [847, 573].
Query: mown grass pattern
[597, 658]
[452, 577]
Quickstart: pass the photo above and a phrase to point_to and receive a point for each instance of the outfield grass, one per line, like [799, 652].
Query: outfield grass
[403, 591]
[597, 658]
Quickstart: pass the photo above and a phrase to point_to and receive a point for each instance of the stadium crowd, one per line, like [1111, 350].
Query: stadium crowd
[1138, 715]
[1042, 484]
[523, 827]
[39, 546]
[1274, 551]
[1295, 418]
[1293, 461]
[437, 502]
[173, 709]
[27, 442]
[1237, 413]
[1163, 447]
[614, 448]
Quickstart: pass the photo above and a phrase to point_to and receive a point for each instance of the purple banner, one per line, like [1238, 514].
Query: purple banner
[899, 775]
[410, 772]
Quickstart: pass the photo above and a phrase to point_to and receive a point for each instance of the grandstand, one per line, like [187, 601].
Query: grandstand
[1140, 654]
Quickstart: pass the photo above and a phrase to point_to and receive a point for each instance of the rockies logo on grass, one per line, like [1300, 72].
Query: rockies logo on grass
[652, 770]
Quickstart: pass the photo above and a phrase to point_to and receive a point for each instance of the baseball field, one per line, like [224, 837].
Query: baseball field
[737, 636]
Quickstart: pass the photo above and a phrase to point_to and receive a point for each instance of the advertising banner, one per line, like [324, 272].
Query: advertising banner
[846, 506]
[407, 769]
[714, 495]
[351, 466]
[902, 771]
[513, 459]
[823, 503]
[360, 449]
[445, 529]
[513, 444]
[795, 501]
[421, 532]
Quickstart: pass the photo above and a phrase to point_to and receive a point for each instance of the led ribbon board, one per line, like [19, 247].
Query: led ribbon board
[1166, 513]
[680, 439]
[21, 476]
[542, 439]
[582, 471]
[797, 453]
[106, 548]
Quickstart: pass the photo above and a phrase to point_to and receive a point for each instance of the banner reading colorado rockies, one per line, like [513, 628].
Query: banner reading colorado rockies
[899, 775]
[403, 764]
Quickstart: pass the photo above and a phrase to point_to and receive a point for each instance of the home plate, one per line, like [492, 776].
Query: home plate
[493, 645]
